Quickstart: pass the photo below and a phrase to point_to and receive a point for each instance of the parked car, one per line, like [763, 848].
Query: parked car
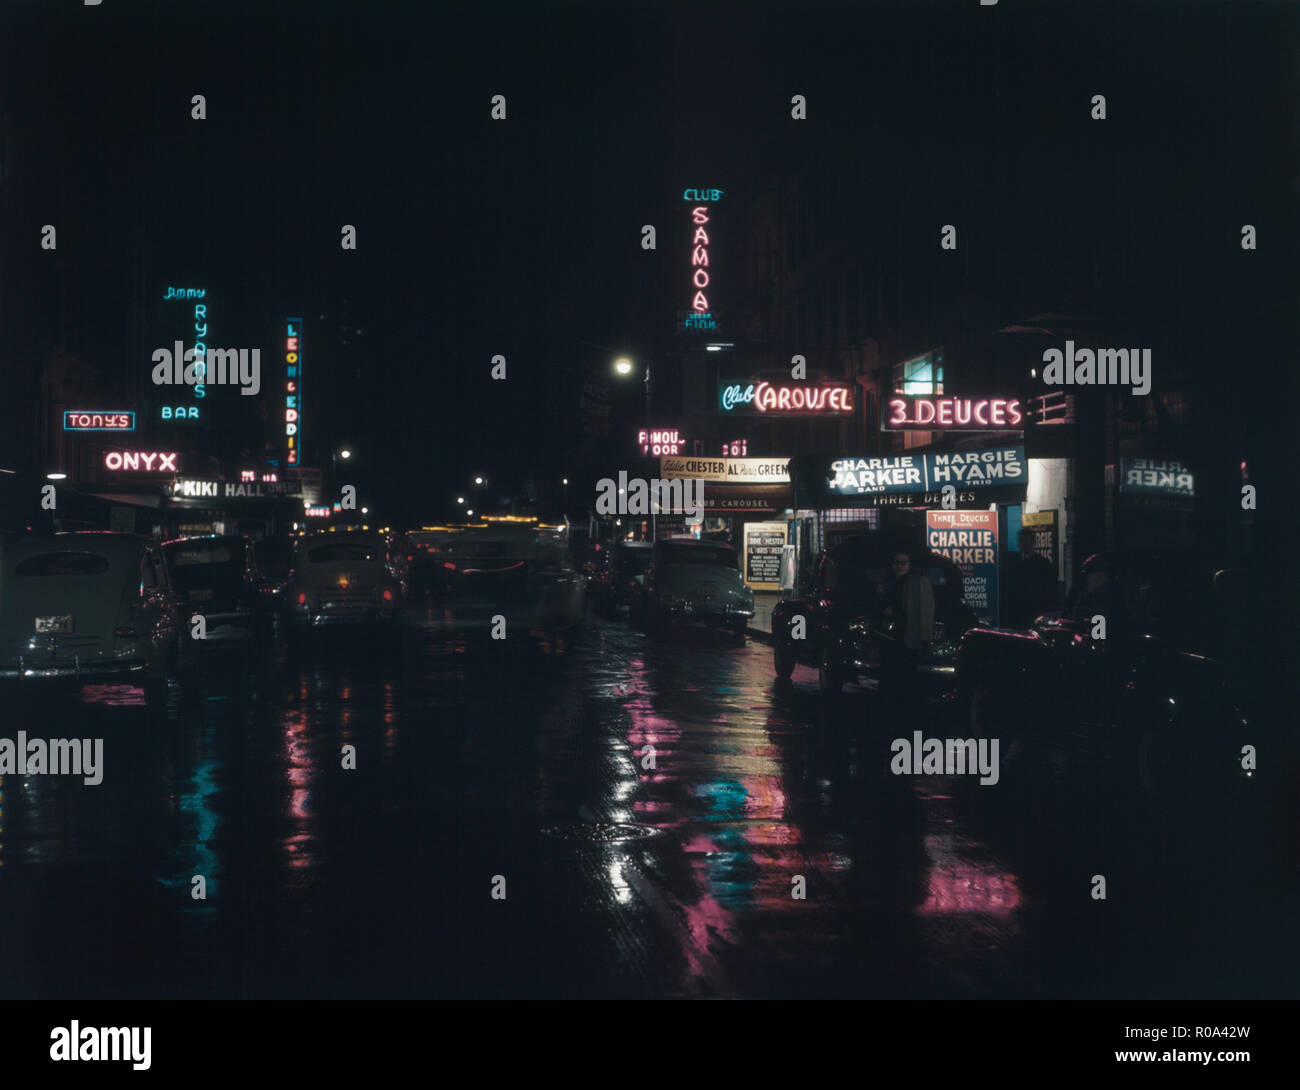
[341, 579]
[1135, 670]
[844, 630]
[512, 570]
[217, 577]
[692, 582]
[88, 606]
[614, 585]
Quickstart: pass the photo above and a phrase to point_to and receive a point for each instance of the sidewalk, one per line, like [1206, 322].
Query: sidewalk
[760, 624]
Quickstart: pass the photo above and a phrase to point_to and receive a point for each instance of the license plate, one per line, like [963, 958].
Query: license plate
[53, 625]
[708, 590]
[201, 595]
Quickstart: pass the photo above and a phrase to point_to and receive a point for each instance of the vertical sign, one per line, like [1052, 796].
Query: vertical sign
[700, 316]
[292, 391]
[1039, 536]
[970, 540]
[764, 542]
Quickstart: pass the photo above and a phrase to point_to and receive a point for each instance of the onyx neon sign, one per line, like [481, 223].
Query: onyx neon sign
[78, 421]
[142, 461]
[933, 412]
[798, 398]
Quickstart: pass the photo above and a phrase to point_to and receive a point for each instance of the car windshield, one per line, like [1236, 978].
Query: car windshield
[714, 555]
[340, 552]
[62, 564]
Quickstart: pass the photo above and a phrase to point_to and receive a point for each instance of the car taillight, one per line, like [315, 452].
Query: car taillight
[388, 595]
[449, 565]
[302, 597]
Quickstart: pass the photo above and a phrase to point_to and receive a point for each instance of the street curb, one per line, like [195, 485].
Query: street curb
[759, 633]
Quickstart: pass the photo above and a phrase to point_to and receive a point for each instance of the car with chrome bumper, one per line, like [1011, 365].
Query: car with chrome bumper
[342, 580]
[692, 582]
[88, 607]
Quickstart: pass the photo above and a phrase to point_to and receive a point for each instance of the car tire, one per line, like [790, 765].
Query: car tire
[986, 723]
[783, 661]
[830, 678]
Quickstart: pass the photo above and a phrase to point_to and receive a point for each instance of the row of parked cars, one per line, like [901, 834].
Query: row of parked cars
[91, 606]
[1148, 659]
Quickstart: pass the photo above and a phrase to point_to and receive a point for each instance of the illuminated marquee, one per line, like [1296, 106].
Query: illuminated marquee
[935, 412]
[292, 391]
[657, 443]
[78, 421]
[765, 397]
[142, 461]
[700, 316]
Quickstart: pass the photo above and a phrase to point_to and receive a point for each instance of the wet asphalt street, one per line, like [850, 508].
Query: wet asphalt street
[623, 876]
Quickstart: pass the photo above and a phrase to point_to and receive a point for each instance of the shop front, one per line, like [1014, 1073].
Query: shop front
[959, 503]
[747, 503]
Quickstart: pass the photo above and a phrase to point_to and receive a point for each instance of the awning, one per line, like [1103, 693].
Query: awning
[740, 499]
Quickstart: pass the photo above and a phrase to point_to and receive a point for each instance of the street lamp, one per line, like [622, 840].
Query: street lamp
[624, 367]
[460, 500]
[345, 453]
[56, 476]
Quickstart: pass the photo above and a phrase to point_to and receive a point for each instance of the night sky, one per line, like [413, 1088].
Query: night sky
[522, 237]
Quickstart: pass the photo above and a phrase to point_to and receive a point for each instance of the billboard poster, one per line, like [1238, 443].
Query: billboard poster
[970, 540]
[764, 542]
[1039, 536]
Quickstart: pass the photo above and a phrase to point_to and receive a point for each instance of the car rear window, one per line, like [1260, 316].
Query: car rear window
[698, 554]
[342, 552]
[63, 564]
[184, 558]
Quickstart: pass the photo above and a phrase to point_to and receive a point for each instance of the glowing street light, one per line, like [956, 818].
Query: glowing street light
[345, 453]
[624, 366]
[460, 500]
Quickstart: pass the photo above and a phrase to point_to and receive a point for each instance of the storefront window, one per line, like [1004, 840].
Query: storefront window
[921, 375]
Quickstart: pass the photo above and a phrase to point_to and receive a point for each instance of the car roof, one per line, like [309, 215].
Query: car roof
[100, 541]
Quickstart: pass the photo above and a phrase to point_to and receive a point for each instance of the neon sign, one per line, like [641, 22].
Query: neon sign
[700, 316]
[77, 421]
[185, 293]
[292, 391]
[764, 397]
[178, 412]
[200, 348]
[658, 443]
[929, 412]
[141, 461]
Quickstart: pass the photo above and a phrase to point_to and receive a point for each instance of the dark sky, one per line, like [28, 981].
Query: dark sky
[522, 237]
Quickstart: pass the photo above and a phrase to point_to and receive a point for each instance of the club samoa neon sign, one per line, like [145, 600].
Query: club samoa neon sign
[701, 316]
[797, 398]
